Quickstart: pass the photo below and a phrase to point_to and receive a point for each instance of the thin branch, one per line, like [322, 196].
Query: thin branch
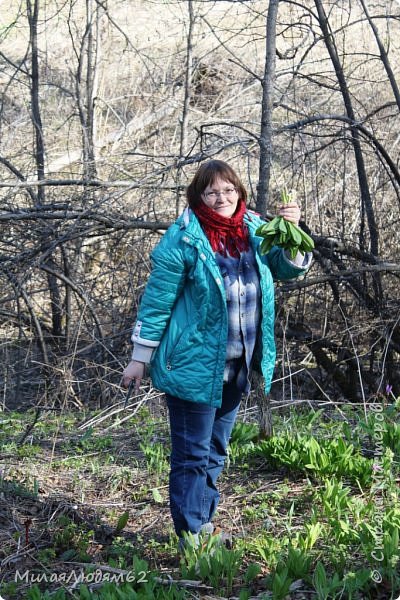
[354, 125]
[349, 273]
[384, 56]
[78, 291]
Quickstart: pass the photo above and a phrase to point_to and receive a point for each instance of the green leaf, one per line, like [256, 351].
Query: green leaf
[282, 225]
[259, 230]
[307, 242]
[84, 593]
[282, 239]
[320, 579]
[122, 521]
[157, 496]
[266, 245]
[252, 571]
[294, 232]
[34, 593]
[68, 554]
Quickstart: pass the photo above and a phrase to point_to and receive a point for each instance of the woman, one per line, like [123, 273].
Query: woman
[208, 303]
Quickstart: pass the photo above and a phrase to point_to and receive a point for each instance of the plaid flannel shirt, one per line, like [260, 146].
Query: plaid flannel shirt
[243, 300]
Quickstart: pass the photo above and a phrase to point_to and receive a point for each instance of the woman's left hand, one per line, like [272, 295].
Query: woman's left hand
[290, 212]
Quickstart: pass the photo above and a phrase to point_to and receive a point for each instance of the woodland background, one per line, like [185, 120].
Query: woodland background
[107, 109]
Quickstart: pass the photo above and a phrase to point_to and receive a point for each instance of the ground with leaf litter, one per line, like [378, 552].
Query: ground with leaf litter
[85, 494]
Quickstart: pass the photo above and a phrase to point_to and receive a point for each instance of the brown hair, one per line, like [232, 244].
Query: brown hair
[206, 174]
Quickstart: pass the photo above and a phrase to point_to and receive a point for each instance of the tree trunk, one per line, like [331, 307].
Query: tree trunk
[33, 18]
[86, 83]
[264, 405]
[265, 142]
[268, 81]
[186, 103]
[366, 200]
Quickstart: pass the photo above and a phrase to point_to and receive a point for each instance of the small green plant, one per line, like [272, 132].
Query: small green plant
[390, 553]
[46, 556]
[298, 562]
[356, 581]
[121, 478]
[15, 488]
[28, 450]
[90, 443]
[313, 532]
[242, 440]
[252, 571]
[70, 540]
[120, 552]
[211, 561]
[327, 588]
[334, 497]
[280, 583]
[141, 493]
[73, 462]
[268, 547]
[321, 458]
[155, 457]
[165, 545]
[9, 590]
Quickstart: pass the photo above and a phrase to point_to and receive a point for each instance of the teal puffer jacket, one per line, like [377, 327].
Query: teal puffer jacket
[183, 313]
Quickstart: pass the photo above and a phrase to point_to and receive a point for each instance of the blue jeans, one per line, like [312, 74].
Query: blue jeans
[199, 440]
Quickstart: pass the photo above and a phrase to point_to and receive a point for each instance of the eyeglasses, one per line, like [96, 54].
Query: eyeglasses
[228, 192]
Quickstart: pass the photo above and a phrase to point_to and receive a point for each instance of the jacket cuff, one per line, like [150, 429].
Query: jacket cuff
[137, 339]
[142, 353]
[301, 261]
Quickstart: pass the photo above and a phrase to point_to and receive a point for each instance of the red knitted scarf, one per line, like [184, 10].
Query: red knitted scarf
[225, 234]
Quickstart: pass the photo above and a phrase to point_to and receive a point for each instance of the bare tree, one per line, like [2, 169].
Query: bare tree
[268, 86]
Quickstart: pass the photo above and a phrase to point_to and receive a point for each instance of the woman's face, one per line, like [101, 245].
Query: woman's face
[221, 196]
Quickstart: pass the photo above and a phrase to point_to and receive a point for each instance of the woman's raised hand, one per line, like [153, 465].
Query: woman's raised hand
[290, 212]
